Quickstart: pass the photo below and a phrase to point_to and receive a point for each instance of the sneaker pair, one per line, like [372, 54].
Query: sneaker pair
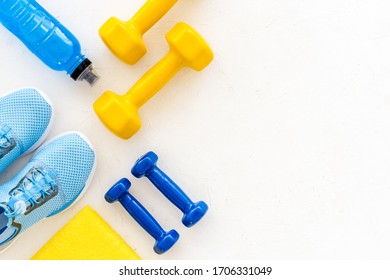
[56, 175]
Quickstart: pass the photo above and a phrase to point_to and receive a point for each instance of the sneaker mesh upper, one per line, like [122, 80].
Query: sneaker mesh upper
[72, 159]
[28, 115]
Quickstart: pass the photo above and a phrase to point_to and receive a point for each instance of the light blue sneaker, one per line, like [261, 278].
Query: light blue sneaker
[55, 177]
[26, 117]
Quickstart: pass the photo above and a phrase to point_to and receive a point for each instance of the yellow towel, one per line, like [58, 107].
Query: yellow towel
[86, 237]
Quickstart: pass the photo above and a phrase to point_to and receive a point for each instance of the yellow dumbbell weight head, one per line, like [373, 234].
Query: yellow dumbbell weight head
[119, 113]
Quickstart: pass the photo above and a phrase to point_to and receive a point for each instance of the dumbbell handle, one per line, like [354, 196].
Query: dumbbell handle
[169, 188]
[155, 79]
[151, 12]
[141, 215]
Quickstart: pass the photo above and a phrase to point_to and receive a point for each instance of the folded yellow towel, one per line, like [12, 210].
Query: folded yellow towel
[86, 237]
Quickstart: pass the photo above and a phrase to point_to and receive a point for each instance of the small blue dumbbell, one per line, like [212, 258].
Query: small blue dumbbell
[164, 240]
[146, 166]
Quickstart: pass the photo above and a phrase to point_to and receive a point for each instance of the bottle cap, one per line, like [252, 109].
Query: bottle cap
[85, 72]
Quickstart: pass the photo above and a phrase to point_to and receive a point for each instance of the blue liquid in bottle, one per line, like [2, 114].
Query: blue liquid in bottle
[47, 38]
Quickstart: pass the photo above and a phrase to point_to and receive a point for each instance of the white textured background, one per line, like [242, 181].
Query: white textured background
[285, 135]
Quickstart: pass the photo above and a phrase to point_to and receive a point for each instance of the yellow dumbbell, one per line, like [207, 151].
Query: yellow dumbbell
[119, 113]
[124, 39]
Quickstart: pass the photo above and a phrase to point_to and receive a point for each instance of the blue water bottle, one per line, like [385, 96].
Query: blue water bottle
[47, 38]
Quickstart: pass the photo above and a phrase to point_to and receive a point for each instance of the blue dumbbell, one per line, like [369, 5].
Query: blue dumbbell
[146, 166]
[164, 240]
